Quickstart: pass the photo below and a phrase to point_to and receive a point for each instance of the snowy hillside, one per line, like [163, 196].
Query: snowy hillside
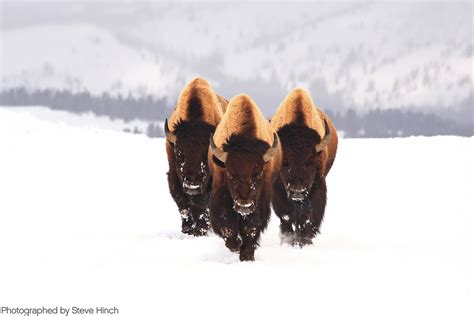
[80, 57]
[87, 221]
[358, 55]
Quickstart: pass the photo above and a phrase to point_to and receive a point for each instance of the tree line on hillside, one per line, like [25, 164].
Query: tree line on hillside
[397, 123]
[374, 123]
[127, 108]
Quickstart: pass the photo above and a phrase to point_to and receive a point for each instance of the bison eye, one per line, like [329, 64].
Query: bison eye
[257, 171]
[258, 174]
[232, 180]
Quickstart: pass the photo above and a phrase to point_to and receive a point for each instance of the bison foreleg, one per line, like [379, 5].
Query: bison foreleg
[229, 231]
[287, 233]
[284, 210]
[200, 221]
[252, 226]
[186, 221]
[318, 203]
[250, 235]
[182, 201]
[305, 232]
[224, 220]
[310, 216]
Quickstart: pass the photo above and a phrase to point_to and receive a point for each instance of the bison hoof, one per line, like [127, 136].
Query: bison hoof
[187, 228]
[201, 228]
[192, 228]
[198, 232]
[302, 242]
[233, 244]
[287, 238]
[247, 256]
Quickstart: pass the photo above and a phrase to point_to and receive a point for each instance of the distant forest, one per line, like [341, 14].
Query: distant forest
[375, 123]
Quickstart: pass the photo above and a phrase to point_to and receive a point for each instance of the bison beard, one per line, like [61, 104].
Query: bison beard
[299, 220]
[241, 232]
[193, 209]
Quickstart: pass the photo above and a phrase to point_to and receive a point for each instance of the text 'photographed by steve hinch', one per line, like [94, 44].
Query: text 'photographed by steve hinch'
[59, 310]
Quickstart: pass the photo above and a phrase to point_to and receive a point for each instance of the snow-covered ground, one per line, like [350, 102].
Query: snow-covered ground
[85, 120]
[86, 220]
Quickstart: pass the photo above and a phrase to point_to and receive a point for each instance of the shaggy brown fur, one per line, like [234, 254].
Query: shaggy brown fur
[194, 119]
[245, 135]
[299, 194]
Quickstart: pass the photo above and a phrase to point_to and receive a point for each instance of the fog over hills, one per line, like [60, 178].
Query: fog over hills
[350, 55]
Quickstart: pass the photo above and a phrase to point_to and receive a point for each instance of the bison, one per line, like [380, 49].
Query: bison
[309, 142]
[198, 111]
[244, 158]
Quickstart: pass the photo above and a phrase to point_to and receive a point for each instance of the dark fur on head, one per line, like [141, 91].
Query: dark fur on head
[238, 143]
[244, 167]
[192, 143]
[301, 163]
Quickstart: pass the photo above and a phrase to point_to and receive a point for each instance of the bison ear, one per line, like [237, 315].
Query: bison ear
[217, 162]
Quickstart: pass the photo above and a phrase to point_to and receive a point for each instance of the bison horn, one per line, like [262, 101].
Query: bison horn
[325, 141]
[170, 136]
[272, 150]
[219, 153]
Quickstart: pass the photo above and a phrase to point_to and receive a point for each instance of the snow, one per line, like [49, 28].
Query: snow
[87, 220]
[86, 120]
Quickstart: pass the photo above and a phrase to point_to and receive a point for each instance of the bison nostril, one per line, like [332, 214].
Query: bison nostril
[191, 188]
[297, 193]
[190, 185]
[245, 203]
[299, 190]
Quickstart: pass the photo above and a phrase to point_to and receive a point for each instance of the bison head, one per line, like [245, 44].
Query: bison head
[190, 144]
[244, 160]
[302, 159]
